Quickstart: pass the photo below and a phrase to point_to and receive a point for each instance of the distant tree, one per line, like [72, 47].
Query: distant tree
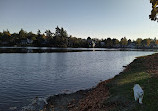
[156, 42]
[89, 38]
[144, 42]
[30, 35]
[63, 33]
[61, 37]
[148, 41]
[115, 42]
[38, 33]
[22, 34]
[139, 42]
[64, 37]
[49, 37]
[1, 36]
[153, 41]
[15, 39]
[39, 39]
[89, 42]
[76, 42]
[6, 36]
[129, 41]
[123, 42]
[43, 36]
[109, 42]
[57, 31]
[49, 34]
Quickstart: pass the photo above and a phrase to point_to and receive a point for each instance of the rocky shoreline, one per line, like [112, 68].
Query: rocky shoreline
[82, 100]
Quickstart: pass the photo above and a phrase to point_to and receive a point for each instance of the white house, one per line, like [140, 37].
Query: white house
[29, 41]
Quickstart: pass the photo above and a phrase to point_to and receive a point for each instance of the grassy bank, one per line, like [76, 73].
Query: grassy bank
[143, 71]
[117, 94]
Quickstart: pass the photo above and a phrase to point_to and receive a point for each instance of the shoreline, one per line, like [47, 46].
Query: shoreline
[108, 94]
[64, 50]
[69, 102]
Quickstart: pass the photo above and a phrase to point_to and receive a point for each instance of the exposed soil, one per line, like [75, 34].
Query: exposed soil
[94, 99]
[84, 100]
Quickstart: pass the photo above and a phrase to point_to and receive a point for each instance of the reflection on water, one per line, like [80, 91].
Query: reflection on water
[24, 76]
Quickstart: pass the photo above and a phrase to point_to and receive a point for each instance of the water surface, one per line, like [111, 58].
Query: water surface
[24, 76]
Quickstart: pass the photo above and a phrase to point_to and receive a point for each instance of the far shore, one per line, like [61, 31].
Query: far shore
[55, 49]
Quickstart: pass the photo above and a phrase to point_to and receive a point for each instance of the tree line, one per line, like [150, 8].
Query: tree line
[60, 38]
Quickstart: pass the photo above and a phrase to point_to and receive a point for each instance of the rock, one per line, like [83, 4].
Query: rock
[37, 104]
[12, 108]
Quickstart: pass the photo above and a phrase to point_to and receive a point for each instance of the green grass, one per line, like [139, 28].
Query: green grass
[121, 89]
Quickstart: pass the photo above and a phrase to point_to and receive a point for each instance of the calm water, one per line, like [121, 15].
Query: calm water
[27, 75]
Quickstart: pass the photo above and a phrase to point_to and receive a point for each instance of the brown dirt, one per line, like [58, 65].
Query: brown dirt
[94, 99]
[84, 100]
[152, 64]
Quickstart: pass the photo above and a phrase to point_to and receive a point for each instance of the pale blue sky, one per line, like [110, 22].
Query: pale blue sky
[81, 18]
